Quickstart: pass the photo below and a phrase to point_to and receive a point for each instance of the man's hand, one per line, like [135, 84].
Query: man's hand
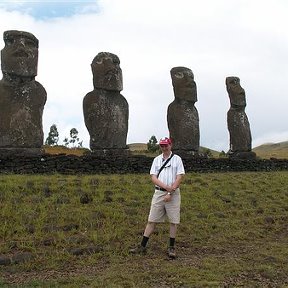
[169, 189]
[167, 197]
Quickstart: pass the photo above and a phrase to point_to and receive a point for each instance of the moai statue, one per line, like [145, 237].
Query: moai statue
[237, 120]
[105, 110]
[22, 99]
[182, 115]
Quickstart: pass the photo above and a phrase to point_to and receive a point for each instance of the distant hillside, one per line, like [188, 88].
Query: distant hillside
[272, 150]
[141, 147]
[265, 151]
[214, 153]
[137, 146]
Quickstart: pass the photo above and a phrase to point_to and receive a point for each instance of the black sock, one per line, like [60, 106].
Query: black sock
[172, 242]
[144, 241]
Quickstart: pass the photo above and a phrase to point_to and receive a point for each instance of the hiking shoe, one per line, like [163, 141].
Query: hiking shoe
[171, 253]
[138, 250]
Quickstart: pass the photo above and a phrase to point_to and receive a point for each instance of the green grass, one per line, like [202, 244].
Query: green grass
[233, 231]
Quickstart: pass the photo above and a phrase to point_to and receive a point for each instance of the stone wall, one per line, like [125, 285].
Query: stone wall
[69, 164]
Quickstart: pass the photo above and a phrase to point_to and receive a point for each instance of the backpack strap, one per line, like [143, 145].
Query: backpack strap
[162, 167]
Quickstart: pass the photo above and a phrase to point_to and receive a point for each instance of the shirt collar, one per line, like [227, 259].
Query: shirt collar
[163, 159]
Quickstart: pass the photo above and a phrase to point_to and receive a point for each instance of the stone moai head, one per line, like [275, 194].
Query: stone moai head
[183, 83]
[236, 92]
[107, 73]
[19, 57]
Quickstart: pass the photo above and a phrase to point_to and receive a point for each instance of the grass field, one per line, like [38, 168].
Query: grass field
[75, 231]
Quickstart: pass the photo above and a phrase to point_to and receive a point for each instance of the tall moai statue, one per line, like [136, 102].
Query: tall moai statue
[237, 120]
[182, 115]
[106, 111]
[22, 99]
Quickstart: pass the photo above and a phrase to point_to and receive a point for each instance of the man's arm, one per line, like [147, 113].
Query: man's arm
[172, 188]
[159, 183]
[177, 182]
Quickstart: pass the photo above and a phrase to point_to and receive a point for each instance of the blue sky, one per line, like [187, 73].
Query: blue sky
[215, 39]
[51, 9]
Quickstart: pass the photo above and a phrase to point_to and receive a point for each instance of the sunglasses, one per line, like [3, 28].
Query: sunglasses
[164, 145]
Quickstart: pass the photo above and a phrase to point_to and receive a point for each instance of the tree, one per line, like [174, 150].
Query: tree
[152, 145]
[73, 136]
[74, 139]
[66, 142]
[53, 136]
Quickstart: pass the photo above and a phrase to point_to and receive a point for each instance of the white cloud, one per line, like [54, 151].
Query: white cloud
[215, 39]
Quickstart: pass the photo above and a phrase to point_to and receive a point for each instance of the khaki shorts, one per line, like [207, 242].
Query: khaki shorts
[160, 210]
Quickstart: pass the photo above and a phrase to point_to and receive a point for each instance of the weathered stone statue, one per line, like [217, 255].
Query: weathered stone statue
[22, 99]
[238, 124]
[106, 111]
[182, 115]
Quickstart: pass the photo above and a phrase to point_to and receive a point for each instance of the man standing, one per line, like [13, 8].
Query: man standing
[166, 171]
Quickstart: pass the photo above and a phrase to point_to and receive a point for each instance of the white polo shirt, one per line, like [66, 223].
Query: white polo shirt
[173, 168]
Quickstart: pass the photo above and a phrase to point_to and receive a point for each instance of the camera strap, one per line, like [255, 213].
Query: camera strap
[165, 163]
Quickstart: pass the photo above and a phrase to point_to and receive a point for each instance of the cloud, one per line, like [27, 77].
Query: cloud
[215, 39]
[45, 10]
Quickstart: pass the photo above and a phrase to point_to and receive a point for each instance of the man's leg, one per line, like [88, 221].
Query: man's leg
[156, 214]
[171, 249]
[173, 230]
[148, 231]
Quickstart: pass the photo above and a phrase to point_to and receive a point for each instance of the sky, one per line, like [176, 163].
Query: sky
[215, 39]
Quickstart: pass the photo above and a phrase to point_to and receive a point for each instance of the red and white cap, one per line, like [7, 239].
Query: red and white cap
[165, 141]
